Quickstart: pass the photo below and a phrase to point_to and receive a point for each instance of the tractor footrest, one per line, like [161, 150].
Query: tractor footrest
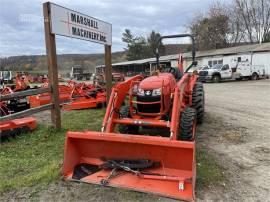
[143, 122]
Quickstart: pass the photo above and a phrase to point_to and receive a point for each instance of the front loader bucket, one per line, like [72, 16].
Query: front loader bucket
[174, 177]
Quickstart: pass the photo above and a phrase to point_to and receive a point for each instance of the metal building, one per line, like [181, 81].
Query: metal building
[256, 54]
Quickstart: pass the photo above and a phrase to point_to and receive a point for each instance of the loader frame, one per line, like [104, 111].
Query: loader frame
[182, 97]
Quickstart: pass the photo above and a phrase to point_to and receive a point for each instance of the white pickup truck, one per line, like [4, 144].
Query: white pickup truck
[241, 71]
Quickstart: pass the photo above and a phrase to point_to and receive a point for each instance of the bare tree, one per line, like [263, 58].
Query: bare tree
[211, 30]
[228, 24]
[236, 33]
[255, 16]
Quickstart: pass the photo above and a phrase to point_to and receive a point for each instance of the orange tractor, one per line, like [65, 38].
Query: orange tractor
[163, 163]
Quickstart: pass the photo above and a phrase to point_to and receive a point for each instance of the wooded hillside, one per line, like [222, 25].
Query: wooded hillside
[37, 63]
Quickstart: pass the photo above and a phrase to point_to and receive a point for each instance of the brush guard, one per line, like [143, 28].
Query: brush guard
[134, 104]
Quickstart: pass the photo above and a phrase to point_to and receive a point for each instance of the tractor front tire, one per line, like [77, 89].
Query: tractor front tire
[198, 101]
[187, 124]
[127, 129]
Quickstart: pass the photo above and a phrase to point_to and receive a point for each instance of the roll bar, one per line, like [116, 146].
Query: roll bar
[177, 36]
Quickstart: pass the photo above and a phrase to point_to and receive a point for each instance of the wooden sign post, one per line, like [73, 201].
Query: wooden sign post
[52, 67]
[108, 71]
[59, 20]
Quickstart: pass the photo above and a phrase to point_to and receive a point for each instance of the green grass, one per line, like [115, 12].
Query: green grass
[209, 172]
[36, 158]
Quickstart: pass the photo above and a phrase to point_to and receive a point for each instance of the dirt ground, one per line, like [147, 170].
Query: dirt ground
[236, 131]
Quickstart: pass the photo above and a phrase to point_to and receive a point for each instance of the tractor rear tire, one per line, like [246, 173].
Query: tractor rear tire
[187, 124]
[198, 101]
[127, 129]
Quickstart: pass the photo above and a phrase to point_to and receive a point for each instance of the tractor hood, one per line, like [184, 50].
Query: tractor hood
[154, 82]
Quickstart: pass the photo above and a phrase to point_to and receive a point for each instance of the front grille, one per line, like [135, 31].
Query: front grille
[145, 108]
[203, 73]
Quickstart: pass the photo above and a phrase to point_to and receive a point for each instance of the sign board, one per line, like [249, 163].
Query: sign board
[70, 23]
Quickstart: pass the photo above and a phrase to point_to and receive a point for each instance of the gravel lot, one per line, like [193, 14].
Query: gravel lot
[236, 131]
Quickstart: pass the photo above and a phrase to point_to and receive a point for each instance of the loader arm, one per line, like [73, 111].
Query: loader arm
[117, 97]
[182, 91]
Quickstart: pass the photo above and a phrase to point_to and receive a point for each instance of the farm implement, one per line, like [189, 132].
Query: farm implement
[16, 127]
[85, 96]
[12, 128]
[163, 163]
[45, 98]
[74, 96]
[19, 104]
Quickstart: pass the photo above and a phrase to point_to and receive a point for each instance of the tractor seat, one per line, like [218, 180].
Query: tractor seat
[175, 72]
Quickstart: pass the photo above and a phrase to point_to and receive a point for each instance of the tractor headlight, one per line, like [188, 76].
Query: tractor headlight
[156, 92]
[140, 92]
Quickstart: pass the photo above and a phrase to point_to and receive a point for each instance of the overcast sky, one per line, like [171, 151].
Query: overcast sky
[22, 33]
